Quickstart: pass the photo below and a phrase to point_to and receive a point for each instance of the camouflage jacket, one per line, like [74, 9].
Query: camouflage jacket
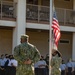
[26, 51]
[55, 64]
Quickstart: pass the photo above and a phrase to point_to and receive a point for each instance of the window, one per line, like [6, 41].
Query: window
[64, 41]
[32, 2]
[66, 0]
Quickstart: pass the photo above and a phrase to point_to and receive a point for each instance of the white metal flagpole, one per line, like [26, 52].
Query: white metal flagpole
[50, 35]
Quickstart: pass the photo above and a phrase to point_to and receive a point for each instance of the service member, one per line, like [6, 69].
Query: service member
[26, 54]
[55, 62]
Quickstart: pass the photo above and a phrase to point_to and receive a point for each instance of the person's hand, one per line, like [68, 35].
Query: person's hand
[2, 68]
[27, 62]
[42, 65]
[12, 64]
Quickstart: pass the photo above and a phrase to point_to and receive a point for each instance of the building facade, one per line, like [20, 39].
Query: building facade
[32, 17]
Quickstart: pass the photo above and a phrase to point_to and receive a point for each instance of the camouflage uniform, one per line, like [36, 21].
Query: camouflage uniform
[55, 64]
[23, 52]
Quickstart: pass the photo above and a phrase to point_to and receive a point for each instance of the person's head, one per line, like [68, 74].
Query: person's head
[42, 58]
[55, 52]
[47, 56]
[69, 60]
[2, 56]
[11, 57]
[24, 38]
[63, 62]
[6, 55]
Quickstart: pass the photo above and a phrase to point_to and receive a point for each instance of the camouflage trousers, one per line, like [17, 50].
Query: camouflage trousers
[24, 70]
[55, 71]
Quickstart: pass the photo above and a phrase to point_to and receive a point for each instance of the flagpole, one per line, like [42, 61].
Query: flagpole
[50, 36]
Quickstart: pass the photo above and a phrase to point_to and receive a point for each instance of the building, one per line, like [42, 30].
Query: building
[32, 17]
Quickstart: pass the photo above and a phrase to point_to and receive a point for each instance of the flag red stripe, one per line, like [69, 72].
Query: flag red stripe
[56, 30]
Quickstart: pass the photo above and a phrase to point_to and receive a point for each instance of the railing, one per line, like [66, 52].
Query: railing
[37, 13]
[40, 14]
[66, 16]
[7, 10]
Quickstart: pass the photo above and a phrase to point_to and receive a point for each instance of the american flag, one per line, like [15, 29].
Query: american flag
[56, 29]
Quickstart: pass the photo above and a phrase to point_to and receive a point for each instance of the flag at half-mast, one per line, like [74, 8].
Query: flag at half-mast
[56, 29]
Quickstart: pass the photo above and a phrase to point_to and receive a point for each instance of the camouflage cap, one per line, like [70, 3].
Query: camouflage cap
[55, 50]
[24, 36]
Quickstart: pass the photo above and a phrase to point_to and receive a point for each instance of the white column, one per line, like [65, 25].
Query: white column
[73, 4]
[73, 44]
[20, 22]
[73, 48]
[74, 12]
[39, 2]
[15, 8]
